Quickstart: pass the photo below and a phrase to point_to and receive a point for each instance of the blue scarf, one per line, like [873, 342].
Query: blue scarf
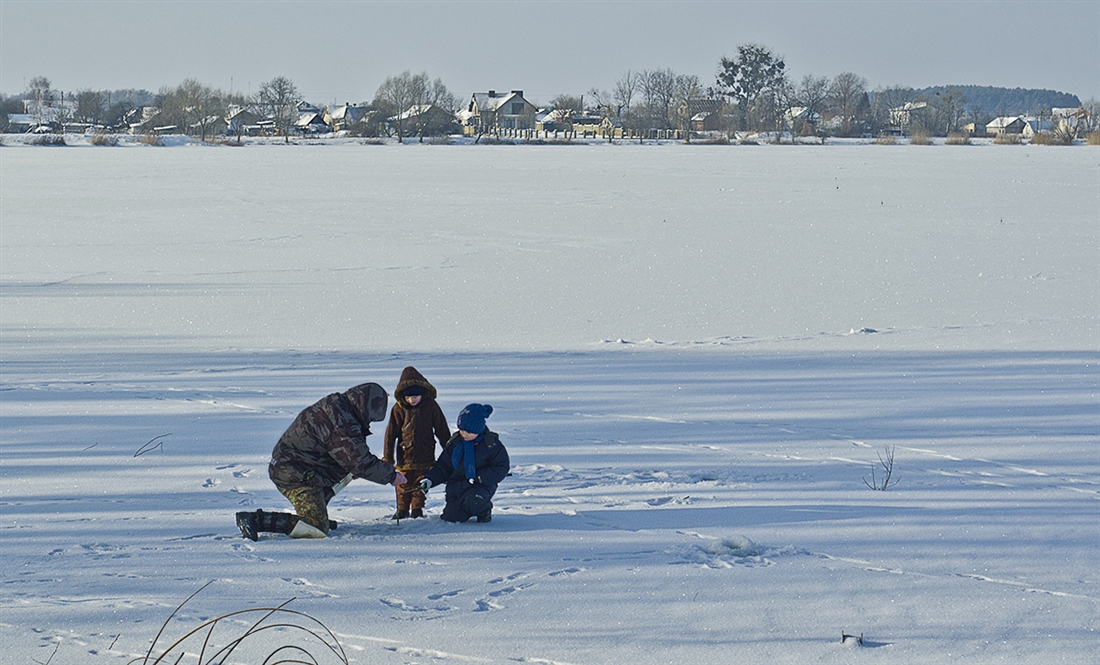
[464, 452]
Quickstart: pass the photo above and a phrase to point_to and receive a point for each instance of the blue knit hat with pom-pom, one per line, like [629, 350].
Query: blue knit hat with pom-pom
[472, 418]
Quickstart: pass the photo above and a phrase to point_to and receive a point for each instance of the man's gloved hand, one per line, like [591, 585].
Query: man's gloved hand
[425, 485]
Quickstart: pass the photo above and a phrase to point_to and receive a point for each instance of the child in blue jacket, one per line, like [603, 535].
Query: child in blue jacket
[472, 464]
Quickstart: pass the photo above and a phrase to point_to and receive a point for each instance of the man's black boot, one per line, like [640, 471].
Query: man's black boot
[254, 523]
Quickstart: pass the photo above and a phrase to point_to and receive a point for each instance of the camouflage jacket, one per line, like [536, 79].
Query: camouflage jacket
[412, 431]
[327, 441]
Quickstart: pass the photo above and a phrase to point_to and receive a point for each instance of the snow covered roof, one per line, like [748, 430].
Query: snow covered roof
[492, 100]
[308, 119]
[413, 111]
[45, 114]
[910, 106]
[352, 112]
[1003, 121]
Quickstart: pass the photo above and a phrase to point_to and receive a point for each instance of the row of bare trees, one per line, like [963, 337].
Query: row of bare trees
[46, 105]
[191, 106]
[196, 108]
[752, 92]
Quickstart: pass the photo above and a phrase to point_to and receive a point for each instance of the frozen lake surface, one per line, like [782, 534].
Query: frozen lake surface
[695, 355]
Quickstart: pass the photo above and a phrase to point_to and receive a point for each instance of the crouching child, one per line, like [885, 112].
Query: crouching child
[472, 464]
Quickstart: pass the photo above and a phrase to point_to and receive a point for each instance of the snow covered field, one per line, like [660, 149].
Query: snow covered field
[695, 355]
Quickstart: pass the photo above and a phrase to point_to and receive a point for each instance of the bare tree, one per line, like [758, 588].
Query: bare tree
[277, 100]
[604, 103]
[41, 96]
[813, 96]
[91, 106]
[766, 113]
[658, 88]
[192, 106]
[846, 95]
[688, 93]
[1089, 121]
[626, 89]
[434, 104]
[203, 106]
[950, 108]
[396, 96]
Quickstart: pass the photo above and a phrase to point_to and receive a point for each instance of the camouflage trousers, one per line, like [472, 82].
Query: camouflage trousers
[311, 504]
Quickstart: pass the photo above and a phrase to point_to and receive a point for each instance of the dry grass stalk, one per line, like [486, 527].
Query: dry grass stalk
[295, 637]
[886, 461]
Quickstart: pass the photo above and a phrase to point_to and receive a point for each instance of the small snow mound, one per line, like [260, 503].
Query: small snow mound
[649, 341]
[737, 546]
[862, 331]
[727, 553]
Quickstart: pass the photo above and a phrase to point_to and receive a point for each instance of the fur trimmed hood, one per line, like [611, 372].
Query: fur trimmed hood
[411, 377]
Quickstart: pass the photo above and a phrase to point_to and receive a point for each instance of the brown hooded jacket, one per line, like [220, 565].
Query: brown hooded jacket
[412, 431]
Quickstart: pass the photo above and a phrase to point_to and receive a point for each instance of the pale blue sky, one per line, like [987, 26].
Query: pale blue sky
[338, 51]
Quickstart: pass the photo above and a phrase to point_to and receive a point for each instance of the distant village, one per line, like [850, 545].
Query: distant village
[752, 100]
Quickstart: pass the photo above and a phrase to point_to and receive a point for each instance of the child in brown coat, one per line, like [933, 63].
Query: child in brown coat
[416, 423]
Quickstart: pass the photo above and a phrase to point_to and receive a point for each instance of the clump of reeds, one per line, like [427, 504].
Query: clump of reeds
[920, 137]
[48, 140]
[719, 139]
[103, 138]
[276, 635]
[1042, 138]
[1004, 138]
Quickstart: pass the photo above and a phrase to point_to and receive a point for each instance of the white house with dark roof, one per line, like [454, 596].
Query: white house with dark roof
[1005, 125]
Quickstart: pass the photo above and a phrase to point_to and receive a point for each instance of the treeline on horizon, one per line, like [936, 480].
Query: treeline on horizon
[1004, 101]
[1000, 101]
[751, 92]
